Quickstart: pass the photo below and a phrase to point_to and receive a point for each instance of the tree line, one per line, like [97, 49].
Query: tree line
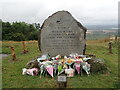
[19, 31]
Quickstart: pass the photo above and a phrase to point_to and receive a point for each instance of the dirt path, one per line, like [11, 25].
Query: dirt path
[3, 56]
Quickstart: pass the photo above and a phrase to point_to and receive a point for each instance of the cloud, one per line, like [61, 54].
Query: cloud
[85, 11]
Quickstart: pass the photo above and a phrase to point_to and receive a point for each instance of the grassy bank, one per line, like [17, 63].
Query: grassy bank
[12, 71]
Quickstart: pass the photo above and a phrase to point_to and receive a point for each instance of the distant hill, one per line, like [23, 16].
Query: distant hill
[95, 32]
[101, 27]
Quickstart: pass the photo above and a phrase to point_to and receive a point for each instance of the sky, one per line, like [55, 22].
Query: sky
[88, 12]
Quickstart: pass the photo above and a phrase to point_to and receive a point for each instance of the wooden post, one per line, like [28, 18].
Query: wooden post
[115, 38]
[13, 54]
[24, 47]
[110, 47]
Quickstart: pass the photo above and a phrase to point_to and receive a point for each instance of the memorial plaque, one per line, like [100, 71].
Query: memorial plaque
[62, 79]
[62, 34]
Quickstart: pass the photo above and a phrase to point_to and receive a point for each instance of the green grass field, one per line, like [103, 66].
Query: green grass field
[12, 71]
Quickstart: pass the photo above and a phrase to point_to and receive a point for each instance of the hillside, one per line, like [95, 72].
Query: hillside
[12, 71]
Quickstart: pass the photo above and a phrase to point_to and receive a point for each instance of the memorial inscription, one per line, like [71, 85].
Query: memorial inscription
[62, 34]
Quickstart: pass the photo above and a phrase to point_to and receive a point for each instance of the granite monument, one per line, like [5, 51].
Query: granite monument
[62, 34]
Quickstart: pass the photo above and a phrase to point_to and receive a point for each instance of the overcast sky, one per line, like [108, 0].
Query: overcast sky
[36, 11]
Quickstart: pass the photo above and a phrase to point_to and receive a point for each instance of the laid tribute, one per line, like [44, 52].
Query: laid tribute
[62, 34]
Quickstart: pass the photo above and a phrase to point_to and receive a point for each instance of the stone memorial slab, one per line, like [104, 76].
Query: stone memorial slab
[62, 34]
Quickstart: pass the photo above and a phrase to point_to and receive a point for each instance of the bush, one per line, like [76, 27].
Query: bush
[19, 31]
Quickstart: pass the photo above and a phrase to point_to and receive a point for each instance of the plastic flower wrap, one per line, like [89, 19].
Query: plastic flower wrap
[49, 69]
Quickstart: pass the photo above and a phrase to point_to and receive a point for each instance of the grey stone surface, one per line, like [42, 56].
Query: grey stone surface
[62, 34]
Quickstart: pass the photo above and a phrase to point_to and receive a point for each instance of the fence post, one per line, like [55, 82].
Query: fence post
[13, 53]
[24, 47]
[115, 38]
[110, 47]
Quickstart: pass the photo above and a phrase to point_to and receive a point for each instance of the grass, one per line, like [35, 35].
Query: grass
[12, 71]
